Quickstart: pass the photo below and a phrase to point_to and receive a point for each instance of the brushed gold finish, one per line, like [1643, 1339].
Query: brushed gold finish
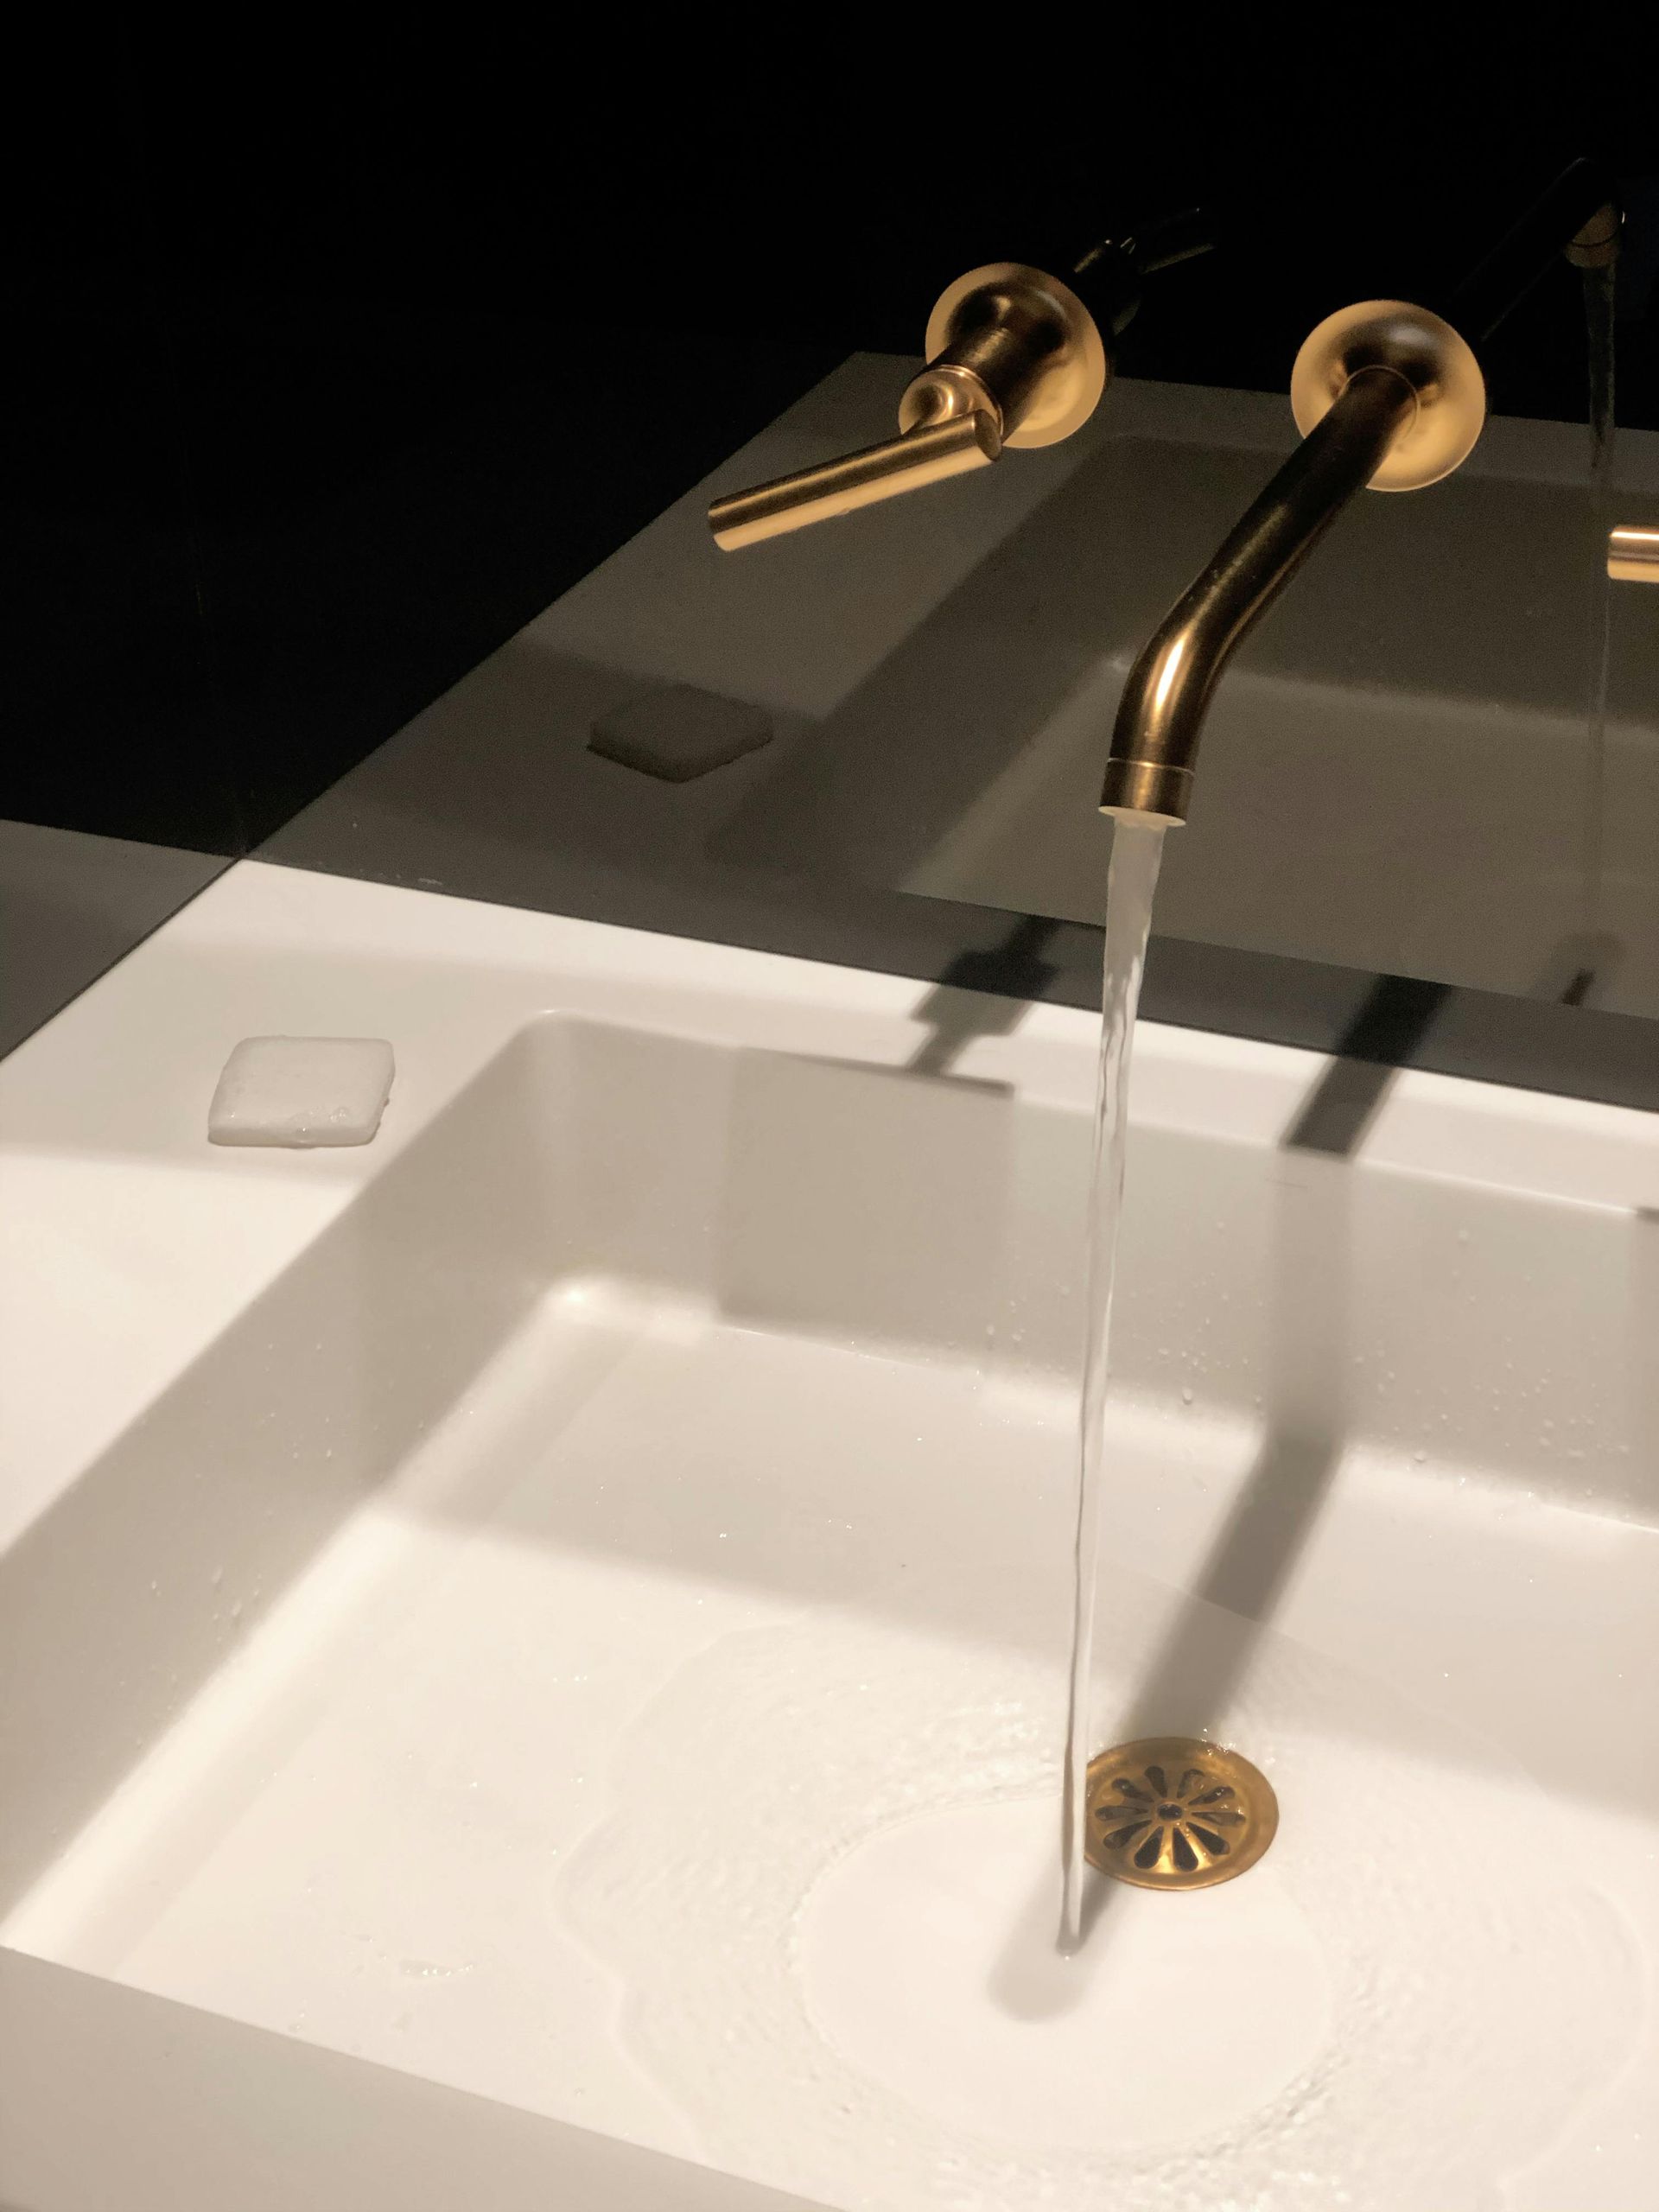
[1176, 1813]
[1013, 359]
[944, 391]
[1161, 714]
[1146, 789]
[1386, 395]
[927, 455]
[1633, 554]
[1030, 341]
[1439, 366]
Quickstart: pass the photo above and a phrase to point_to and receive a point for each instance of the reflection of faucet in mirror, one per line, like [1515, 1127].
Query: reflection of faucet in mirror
[1016, 357]
[1387, 395]
[1633, 554]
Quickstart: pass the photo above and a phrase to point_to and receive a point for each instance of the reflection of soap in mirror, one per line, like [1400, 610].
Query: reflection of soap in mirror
[302, 1092]
[679, 733]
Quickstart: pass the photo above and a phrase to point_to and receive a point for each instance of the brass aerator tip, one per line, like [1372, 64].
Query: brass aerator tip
[1148, 791]
[1176, 1813]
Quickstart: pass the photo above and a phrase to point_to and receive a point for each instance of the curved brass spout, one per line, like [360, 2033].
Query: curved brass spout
[1161, 713]
[1385, 395]
[1389, 396]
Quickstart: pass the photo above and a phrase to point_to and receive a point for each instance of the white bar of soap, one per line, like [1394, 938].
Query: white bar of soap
[301, 1091]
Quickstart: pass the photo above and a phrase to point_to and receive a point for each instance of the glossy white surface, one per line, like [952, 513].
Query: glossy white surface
[569, 1603]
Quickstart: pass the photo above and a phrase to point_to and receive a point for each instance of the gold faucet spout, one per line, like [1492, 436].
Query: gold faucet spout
[1386, 395]
[1160, 715]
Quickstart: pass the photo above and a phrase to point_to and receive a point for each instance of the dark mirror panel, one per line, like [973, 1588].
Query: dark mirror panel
[369, 404]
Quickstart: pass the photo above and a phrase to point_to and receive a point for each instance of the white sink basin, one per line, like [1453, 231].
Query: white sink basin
[569, 1604]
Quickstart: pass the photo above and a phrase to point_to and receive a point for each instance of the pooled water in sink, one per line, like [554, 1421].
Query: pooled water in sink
[1137, 847]
[826, 1883]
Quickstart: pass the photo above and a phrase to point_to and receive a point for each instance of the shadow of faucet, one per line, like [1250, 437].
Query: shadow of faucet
[984, 993]
[1388, 1030]
[1195, 1672]
[1383, 1036]
[1581, 968]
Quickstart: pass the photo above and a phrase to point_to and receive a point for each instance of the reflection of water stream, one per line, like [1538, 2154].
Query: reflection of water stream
[1599, 297]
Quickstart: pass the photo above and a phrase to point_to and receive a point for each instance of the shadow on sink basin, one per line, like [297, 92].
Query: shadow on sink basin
[919, 1223]
[1205, 1653]
[123, 1599]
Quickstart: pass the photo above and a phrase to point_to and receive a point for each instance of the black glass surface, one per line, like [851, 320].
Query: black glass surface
[331, 369]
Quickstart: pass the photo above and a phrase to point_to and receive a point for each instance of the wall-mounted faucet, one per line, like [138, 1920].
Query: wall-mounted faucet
[1016, 357]
[1385, 394]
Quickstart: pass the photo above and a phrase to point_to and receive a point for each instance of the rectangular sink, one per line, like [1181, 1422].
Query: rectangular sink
[567, 1606]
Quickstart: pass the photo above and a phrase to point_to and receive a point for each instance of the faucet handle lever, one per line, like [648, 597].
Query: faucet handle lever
[1013, 359]
[926, 454]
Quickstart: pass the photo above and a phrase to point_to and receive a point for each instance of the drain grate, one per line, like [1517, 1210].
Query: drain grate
[1175, 1813]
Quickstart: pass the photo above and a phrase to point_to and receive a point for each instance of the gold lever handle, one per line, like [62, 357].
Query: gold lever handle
[1633, 555]
[926, 455]
[1015, 358]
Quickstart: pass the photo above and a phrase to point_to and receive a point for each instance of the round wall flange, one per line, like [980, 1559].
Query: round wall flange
[1438, 363]
[1031, 340]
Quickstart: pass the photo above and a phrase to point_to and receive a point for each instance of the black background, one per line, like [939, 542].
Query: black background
[332, 363]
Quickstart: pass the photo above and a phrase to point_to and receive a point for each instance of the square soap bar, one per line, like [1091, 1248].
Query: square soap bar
[679, 733]
[301, 1091]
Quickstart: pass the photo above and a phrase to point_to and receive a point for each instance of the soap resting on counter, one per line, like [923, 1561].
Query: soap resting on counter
[302, 1092]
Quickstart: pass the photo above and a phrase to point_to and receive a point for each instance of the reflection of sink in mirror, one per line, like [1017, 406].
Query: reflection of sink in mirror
[570, 1603]
[1382, 783]
[1382, 768]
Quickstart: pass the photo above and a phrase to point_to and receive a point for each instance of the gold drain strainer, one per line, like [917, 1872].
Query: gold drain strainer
[1175, 1813]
